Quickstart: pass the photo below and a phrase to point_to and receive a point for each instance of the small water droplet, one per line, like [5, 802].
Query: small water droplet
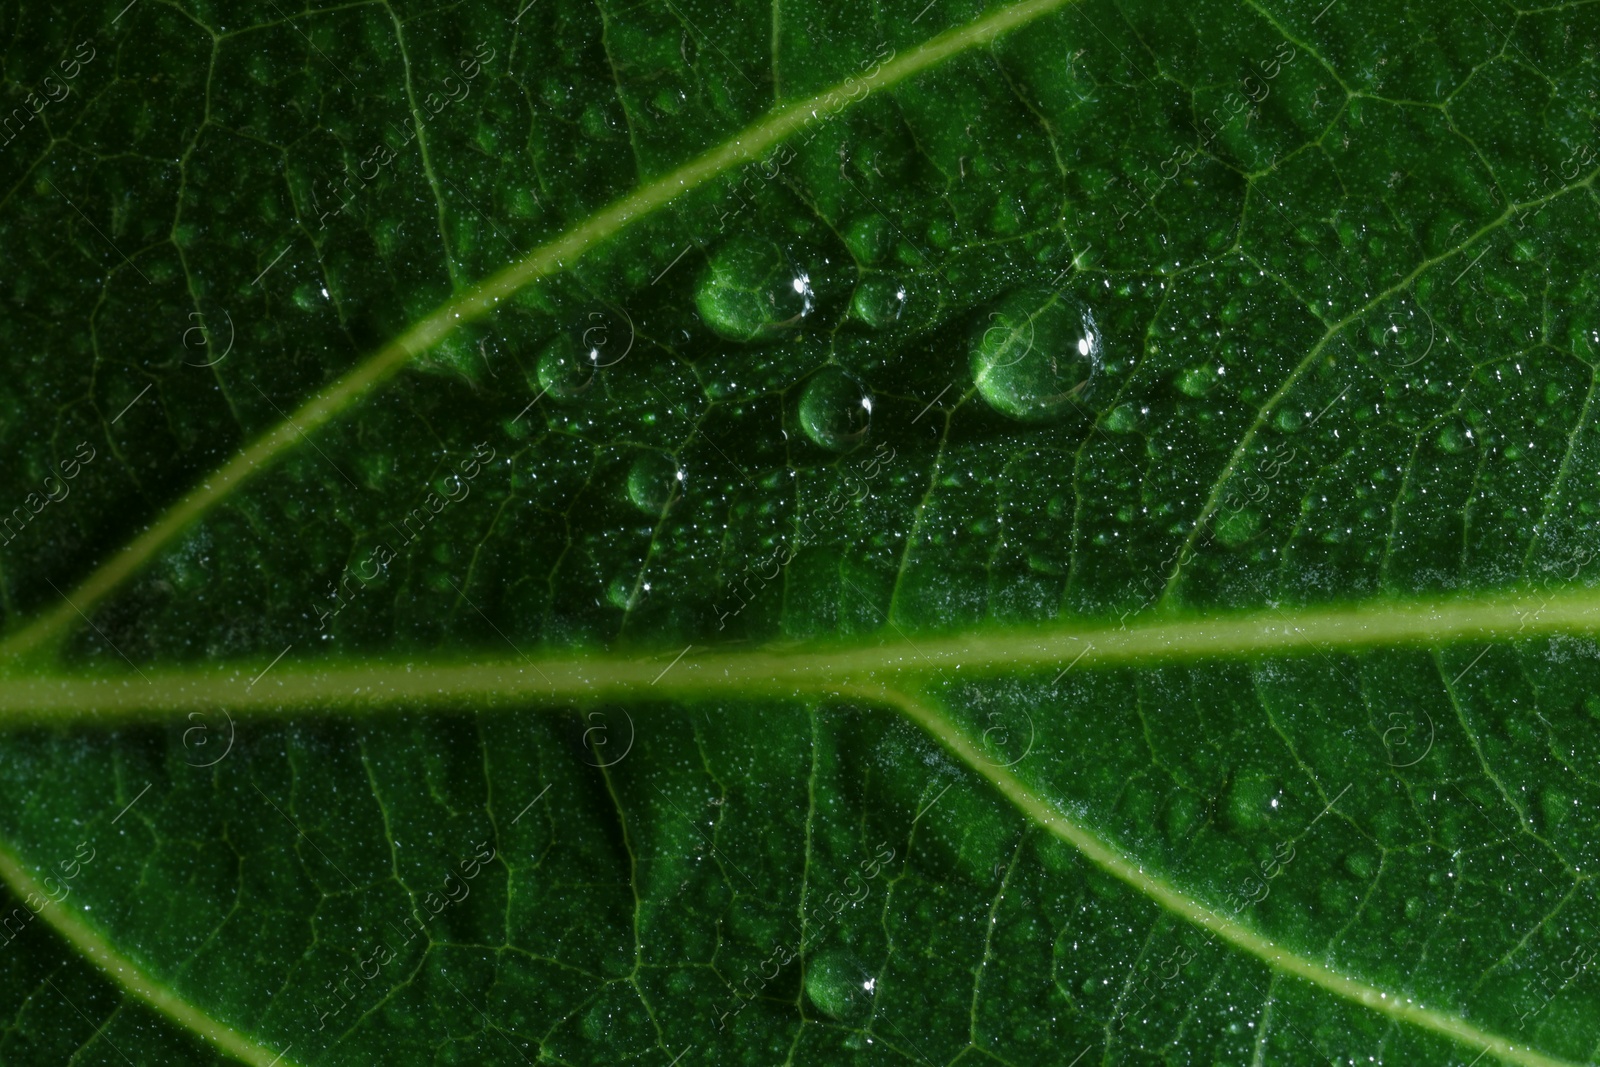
[1250, 801]
[566, 369]
[1036, 354]
[1124, 418]
[655, 482]
[1197, 381]
[1454, 437]
[623, 592]
[879, 301]
[839, 986]
[836, 410]
[1361, 864]
[1234, 528]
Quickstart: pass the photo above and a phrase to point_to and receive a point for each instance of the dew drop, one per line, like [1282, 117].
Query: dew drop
[1251, 801]
[1455, 437]
[836, 410]
[838, 985]
[879, 301]
[1036, 354]
[754, 289]
[1237, 527]
[1361, 864]
[623, 591]
[1196, 381]
[566, 368]
[869, 238]
[1124, 418]
[655, 482]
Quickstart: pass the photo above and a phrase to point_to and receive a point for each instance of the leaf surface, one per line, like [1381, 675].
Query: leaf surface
[1050, 533]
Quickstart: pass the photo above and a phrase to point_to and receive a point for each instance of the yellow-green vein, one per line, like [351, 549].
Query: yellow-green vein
[288, 686]
[1129, 871]
[92, 946]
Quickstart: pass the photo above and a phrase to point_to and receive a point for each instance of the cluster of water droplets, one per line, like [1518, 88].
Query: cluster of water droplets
[1033, 353]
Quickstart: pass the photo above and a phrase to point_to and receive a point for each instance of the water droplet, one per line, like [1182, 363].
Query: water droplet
[1454, 437]
[1036, 354]
[879, 301]
[1196, 381]
[1252, 801]
[1184, 813]
[753, 289]
[1361, 864]
[1237, 527]
[655, 482]
[1124, 418]
[869, 238]
[836, 410]
[566, 368]
[623, 591]
[838, 985]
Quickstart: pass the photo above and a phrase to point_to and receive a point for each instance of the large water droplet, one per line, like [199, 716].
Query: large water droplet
[566, 368]
[838, 985]
[655, 482]
[836, 410]
[1036, 354]
[754, 289]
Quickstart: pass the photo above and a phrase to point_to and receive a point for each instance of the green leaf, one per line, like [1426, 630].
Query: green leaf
[1051, 532]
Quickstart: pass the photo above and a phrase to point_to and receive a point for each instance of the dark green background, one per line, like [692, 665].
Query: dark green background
[1347, 354]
